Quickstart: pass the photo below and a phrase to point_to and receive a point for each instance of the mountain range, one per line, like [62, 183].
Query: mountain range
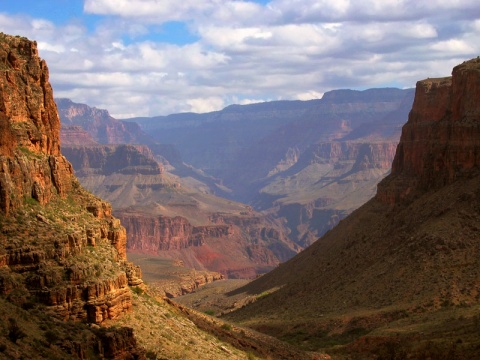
[304, 164]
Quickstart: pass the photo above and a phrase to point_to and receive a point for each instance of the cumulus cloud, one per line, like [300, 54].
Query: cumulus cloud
[245, 51]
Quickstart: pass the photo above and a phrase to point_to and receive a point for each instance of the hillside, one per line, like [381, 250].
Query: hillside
[408, 259]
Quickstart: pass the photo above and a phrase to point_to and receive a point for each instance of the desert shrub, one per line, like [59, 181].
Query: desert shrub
[137, 290]
[14, 331]
[210, 312]
[151, 355]
[51, 336]
[227, 327]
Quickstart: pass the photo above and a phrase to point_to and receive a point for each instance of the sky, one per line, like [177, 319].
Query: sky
[158, 57]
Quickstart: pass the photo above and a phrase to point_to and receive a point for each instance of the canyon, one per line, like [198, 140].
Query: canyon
[406, 260]
[306, 163]
[67, 290]
[300, 166]
[398, 276]
[69, 256]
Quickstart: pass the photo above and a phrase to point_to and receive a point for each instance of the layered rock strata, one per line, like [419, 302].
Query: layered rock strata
[235, 246]
[58, 242]
[440, 142]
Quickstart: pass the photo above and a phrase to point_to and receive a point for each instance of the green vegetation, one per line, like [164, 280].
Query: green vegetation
[137, 290]
[227, 327]
[29, 201]
[262, 295]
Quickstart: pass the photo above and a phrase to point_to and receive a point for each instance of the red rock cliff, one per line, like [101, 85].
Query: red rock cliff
[30, 164]
[235, 246]
[439, 143]
[58, 242]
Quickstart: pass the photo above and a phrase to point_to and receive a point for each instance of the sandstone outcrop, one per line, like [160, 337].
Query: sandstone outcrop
[58, 243]
[440, 142]
[108, 159]
[75, 135]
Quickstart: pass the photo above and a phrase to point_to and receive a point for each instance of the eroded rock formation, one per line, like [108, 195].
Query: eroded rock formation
[235, 246]
[75, 135]
[58, 242]
[98, 122]
[413, 248]
[440, 142]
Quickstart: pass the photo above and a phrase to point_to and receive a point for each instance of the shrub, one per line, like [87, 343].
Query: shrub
[137, 290]
[14, 331]
[51, 336]
[227, 327]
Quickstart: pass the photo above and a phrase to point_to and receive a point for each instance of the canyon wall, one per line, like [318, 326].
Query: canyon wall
[235, 246]
[440, 142]
[98, 123]
[164, 217]
[59, 244]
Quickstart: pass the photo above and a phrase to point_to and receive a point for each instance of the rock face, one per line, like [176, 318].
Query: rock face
[440, 142]
[162, 216]
[109, 159]
[31, 126]
[75, 135]
[328, 182]
[98, 122]
[58, 243]
[236, 246]
[414, 247]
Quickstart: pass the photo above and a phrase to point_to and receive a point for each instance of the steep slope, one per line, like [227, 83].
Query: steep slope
[412, 249]
[97, 122]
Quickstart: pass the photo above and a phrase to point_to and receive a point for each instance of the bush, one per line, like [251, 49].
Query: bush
[227, 327]
[51, 336]
[14, 331]
[137, 290]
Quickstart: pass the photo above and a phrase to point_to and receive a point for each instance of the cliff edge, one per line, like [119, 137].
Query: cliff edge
[441, 140]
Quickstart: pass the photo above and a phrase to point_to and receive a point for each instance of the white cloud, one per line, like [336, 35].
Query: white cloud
[201, 105]
[309, 95]
[244, 52]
